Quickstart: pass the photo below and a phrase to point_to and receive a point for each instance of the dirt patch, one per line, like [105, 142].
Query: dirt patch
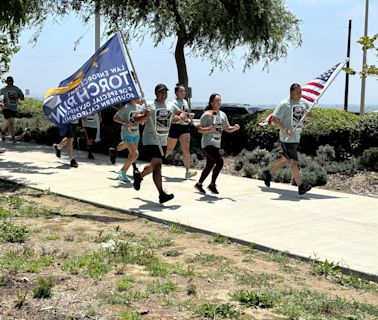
[109, 265]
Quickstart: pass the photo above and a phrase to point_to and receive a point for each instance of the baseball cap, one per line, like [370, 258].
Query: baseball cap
[9, 79]
[160, 87]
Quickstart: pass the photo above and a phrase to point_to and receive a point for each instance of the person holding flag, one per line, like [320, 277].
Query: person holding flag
[289, 116]
[101, 82]
[154, 139]
[286, 117]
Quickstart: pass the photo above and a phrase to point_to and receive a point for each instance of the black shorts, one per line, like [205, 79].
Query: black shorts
[90, 133]
[9, 114]
[153, 151]
[71, 132]
[177, 130]
[289, 150]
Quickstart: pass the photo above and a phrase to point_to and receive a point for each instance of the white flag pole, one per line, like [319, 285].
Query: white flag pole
[141, 91]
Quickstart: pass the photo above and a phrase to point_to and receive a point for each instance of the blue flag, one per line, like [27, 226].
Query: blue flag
[103, 81]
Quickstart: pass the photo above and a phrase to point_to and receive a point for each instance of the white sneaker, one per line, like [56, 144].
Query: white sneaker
[189, 174]
[2, 150]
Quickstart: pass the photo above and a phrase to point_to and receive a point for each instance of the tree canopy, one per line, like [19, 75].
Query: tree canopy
[14, 16]
[211, 29]
[367, 43]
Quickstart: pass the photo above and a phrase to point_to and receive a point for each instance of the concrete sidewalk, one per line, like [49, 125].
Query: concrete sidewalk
[331, 225]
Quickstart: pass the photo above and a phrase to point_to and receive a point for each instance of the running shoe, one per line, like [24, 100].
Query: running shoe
[113, 155]
[189, 174]
[137, 180]
[57, 151]
[212, 188]
[267, 177]
[122, 176]
[303, 188]
[164, 197]
[199, 188]
[73, 163]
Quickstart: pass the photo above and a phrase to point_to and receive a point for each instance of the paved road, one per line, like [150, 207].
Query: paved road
[331, 225]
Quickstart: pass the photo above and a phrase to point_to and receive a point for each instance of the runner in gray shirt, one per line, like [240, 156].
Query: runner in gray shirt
[212, 123]
[156, 132]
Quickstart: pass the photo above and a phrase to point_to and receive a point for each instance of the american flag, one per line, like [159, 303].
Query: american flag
[312, 90]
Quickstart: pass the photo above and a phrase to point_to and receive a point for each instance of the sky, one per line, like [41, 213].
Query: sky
[324, 28]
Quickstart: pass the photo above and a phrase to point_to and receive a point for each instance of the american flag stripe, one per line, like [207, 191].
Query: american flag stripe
[308, 98]
[315, 84]
[312, 90]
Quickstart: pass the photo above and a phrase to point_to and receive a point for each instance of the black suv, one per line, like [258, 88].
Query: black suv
[227, 108]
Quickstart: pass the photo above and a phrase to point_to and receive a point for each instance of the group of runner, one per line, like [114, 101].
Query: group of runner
[166, 123]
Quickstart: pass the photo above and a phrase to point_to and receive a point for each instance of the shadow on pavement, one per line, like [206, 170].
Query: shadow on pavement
[173, 179]
[80, 156]
[292, 195]
[153, 206]
[27, 167]
[121, 184]
[213, 199]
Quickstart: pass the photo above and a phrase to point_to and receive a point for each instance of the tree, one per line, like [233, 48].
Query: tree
[367, 43]
[210, 29]
[14, 16]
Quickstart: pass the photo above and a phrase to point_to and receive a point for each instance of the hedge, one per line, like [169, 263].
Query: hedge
[348, 133]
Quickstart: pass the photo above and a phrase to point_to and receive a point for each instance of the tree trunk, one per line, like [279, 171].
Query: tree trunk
[180, 61]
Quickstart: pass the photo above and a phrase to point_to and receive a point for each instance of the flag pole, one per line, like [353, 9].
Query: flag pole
[141, 92]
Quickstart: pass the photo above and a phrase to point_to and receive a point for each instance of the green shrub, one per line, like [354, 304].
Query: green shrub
[349, 166]
[43, 288]
[252, 299]
[325, 154]
[282, 175]
[348, 133]
[251, 170]
[30, 107]
[218, 311]
[369, 158]
[365, 133]
[10, 232]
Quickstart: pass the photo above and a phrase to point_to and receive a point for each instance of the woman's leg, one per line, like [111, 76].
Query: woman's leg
[209, 164]
[185, 147]
[133, 154]
[171, 144]
[218, 166]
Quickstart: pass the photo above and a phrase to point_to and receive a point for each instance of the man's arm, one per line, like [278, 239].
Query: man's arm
[21, 95]
[276, 121]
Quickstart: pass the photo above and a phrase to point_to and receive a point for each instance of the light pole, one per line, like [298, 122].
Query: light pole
[363, 80]
[97, 30]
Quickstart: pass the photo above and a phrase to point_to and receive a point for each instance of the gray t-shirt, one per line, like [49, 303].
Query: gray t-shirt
[289, 112]
[183, 106]
[90, 121]
[159, 120]
[11, 96]
[128, 113]
[220, 121]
